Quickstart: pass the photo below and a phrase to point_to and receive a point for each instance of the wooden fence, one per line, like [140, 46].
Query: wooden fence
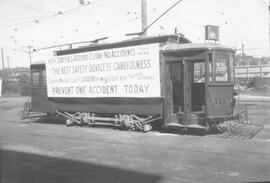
[252, 71]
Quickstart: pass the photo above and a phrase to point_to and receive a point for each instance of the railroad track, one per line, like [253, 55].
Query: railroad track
[239, 131]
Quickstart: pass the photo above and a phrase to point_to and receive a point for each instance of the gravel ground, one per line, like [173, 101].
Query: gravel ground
[33, 151]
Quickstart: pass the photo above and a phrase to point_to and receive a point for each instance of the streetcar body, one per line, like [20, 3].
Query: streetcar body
[164, 78]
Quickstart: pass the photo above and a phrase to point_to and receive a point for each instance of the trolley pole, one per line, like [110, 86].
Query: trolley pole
[144, 16]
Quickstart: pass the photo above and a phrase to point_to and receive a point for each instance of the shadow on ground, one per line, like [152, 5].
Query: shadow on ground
[21, 167]
[180, 131]
[50, 120]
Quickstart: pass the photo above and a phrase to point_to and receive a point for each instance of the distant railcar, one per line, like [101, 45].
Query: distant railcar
[164, 80]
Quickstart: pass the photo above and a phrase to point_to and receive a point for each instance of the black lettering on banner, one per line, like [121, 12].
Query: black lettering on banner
[97, 67]
[123, 53]
[108, 66]
[136, 89]
[65, 70]
[79, 69]
[56, 71]
[88, 78]
[80, 90]
[62, 90]
[107, 54]
[132, 65]
[103, 89]
[64, 59]
[95, 56]
[81, 57]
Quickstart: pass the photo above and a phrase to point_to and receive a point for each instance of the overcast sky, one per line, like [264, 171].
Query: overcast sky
[43, 23]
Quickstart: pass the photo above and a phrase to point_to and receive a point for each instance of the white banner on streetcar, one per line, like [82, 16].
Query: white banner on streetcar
[121, 72]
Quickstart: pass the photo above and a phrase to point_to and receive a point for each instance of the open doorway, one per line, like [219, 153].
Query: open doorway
[187, 88]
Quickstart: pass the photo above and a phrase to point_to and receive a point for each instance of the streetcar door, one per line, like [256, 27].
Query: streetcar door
[194, 78]
[185, 90]
[39, 98]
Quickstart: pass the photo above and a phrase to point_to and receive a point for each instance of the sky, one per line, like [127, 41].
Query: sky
[45, 23]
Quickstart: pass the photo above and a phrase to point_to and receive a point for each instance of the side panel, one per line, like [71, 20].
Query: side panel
[39, 100]
[148, 106]
[219, 101]
[41, 103]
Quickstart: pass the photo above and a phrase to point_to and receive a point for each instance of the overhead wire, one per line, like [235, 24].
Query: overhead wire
[30, 22]
[26, 7]
[107, 28]
[196, 33]
[110, 27]
[6, 19]
[164, 13]
[15, 49]
[100, 31]
[188, 22]
[42, 19]
[200, 25]
[226, 33]
[18, 24]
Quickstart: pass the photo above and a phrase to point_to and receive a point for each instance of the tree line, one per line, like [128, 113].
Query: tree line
[15, 81]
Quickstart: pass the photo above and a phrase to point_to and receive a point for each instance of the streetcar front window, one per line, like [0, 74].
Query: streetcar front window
[221, 67]
[199, 72]
[210, 68]
[38, 77]
[232, 67]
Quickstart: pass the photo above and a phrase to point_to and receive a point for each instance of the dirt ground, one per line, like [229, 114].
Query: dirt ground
[47, 151]
[257, 92]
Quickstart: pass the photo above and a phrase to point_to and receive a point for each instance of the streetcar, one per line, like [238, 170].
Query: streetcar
[160, 81]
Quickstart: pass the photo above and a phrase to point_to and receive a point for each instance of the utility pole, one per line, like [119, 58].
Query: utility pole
[144, 16]
[243, 51]
[269, 25]
[30, 54]
[175, 30]
[3, 61]
[8, 62]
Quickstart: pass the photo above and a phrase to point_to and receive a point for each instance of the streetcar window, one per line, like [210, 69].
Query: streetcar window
[210, 67]
[35, 78]
[43, 78]
[38, 78]
[199, 72]
[176, 72]
[221, 67]
[232, 67]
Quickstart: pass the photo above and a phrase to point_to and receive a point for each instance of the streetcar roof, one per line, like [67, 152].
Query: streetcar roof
[170, 48]
[38, 64]
[177, 38]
